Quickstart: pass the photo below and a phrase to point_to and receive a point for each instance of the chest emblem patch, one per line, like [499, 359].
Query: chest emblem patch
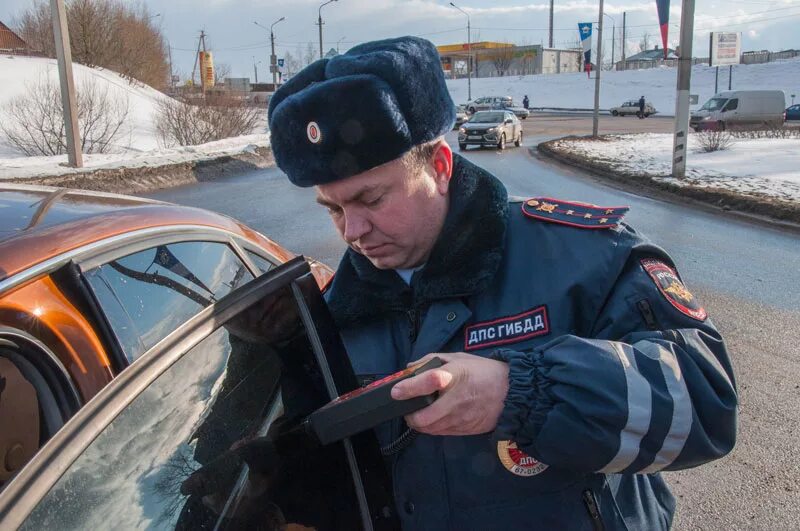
[518, 462]
[507, 330]
[671, 287]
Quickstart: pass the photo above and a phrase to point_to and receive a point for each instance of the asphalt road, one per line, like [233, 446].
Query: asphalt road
[746, 274]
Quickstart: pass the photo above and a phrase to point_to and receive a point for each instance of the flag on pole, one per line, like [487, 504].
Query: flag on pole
[663, 22]
[585, 30]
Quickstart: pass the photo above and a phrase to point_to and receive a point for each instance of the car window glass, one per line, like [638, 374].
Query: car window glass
[732, 104]
[261, 263]
[209, 445]
[146, 295]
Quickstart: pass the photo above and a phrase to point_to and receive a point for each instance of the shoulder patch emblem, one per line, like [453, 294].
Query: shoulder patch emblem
[518, 462]
[582, 215]
[671, 287]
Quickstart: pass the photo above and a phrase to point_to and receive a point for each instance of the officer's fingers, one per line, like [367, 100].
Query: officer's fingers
[434, 414]
[446, 357]
[423, 384]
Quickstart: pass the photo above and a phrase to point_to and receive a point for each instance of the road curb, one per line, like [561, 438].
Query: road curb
[774, 211]
[142, 179]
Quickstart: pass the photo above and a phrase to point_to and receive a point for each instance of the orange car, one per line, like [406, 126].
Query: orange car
[90, 282]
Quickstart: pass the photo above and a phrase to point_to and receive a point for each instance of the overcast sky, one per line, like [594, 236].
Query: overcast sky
[234, 39]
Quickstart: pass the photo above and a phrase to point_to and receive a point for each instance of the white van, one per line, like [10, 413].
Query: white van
[741, 109]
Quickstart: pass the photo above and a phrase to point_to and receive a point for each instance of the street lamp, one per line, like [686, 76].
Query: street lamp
[273, 60]
[319, 21]
[469, 54]
[613, 38]
[337, 43]
[255, 68]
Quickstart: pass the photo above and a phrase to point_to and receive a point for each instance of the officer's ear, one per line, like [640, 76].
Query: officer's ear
[442, 162]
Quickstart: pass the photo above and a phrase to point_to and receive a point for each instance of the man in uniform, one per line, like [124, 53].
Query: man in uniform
[578, 365]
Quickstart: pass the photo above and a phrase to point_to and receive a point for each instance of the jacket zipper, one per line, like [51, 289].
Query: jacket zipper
[594, 511]
[413, 320]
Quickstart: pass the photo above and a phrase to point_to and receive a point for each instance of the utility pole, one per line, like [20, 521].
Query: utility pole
[255, 68]
[623, 39]
[319, 21]
[68, 100]
[171, 72]
[682, 97]
[551, 24]
[613, 44]
[598, 62]
[469, 53]
[730, 76]
[273, 59]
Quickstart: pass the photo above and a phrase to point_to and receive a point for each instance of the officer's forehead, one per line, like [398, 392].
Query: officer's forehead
[381, 178]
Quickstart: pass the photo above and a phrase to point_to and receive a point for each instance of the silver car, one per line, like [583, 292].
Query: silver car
[489, 102]
[490, 128]
[631, 107]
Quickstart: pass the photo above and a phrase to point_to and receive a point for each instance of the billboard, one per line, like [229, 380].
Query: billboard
[726, 48]
[585, 30]
[206, 70]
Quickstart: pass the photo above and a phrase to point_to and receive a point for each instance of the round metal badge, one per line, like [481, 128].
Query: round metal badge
[518, 462]
[313, 132]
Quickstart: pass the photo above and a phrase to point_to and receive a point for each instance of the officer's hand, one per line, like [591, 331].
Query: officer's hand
[471, 389]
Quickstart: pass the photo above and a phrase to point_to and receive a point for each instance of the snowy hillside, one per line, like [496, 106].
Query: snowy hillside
[17, 73]
[657, 85]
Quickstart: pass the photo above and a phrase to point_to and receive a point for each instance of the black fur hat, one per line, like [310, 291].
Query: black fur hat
[342, 116]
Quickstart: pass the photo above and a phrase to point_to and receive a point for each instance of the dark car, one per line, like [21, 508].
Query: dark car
[490, 128]
[155, 363]
[793, 112]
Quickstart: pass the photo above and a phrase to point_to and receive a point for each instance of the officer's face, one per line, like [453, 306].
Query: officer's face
[391, 214]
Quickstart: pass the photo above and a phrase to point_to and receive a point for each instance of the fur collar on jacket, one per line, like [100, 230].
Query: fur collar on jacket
[464, 259]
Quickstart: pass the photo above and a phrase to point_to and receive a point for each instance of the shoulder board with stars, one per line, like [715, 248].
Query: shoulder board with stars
[582, 215]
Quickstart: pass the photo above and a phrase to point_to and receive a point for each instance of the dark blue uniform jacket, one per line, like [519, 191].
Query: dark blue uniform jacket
[616, 373]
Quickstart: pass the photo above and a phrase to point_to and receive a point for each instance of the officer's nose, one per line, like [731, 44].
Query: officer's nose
[356, 226]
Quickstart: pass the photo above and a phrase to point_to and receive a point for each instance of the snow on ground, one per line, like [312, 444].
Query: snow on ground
[138, 146]
[657, 85]
[17, 168]
[767, 167]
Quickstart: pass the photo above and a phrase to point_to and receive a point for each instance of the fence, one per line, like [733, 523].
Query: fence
[747, 58]
[754, 58]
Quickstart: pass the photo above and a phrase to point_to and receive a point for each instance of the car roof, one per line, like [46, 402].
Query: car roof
[40, 222]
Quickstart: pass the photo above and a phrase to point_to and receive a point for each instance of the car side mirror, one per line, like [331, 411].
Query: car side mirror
[509, 121]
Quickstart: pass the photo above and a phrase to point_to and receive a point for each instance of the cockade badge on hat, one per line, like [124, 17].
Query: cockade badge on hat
[313, 133]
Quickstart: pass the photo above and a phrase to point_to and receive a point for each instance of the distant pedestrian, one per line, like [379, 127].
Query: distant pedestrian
[525, 101]
[640, 114]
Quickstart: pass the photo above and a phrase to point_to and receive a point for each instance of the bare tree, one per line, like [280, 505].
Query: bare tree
[292, 64]
[212, 118]
[106, 33]
[35, 124]
[222, 70]
[502, 59]
[644, 44]
[310, 55]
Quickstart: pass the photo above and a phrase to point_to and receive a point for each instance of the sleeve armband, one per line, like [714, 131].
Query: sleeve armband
[581, 215]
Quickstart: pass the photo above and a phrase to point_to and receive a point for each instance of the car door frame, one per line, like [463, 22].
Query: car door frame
[27, 490]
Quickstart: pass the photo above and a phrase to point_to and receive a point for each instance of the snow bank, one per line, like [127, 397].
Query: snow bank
[17, 73]
[656, 84]
[18, 168]
[766, 167]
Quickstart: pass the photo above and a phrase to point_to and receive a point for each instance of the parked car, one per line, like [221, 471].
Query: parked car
[489, 103]
[740, 109]
[793, 112]
[153, 357]
[631, 107]
[490, 128]
[496, 103]
[461, 117]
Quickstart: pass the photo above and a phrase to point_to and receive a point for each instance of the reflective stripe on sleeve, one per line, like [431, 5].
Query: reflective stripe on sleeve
[681, 423]
[639, 412]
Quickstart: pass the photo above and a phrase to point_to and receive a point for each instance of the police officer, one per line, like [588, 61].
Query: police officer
[641, 108]
[578, 364]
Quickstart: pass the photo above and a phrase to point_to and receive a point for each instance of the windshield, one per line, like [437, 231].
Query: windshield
[714, 104]
[487, 118]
